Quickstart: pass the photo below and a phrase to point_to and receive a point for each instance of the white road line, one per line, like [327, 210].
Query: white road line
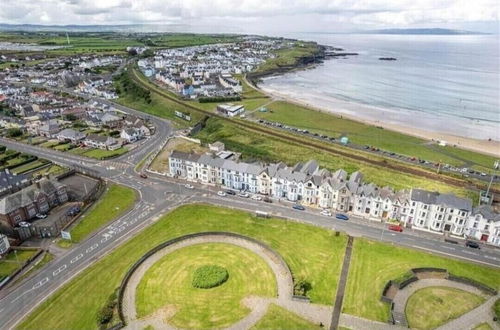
[42, 282]
[92, 248]
[78, 257]
[448, 247]
[58, 270]
[490, 257]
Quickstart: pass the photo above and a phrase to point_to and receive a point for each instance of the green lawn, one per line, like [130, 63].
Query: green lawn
[374, 264]
[114, 202]
[14, 260]
[50, 143]
[483, 326]
[278, 318]
[359, 133]
[431, 307]
[168, 284]
[29, 166]
[255, 146]
[317, 259]
[47, 257]
[104, 154]
[288, 56]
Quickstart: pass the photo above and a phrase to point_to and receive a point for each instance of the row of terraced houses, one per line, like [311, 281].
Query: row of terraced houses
[310, 185]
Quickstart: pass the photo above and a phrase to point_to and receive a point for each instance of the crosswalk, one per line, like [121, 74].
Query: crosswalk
[113, 165]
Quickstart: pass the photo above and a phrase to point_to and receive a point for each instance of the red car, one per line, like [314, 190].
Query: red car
[397, 228]
[144, 176]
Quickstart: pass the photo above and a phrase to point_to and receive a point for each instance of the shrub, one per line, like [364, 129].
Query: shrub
[14, 132]
[105, 315]
[209, 276]
[496, 310]
[301, 287]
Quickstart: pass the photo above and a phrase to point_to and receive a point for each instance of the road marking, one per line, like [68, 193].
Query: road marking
[78, 257]
[58, 270]
[470, 252]
[448, 247]
[92, 248]
[490, 257]
[42, 282]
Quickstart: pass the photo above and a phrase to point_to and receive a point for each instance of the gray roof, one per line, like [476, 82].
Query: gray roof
[446, 200]
[8, 179]
[71, 134]
[487, 212]
[27, 195]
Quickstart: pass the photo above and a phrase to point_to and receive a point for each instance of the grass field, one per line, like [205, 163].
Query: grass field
[288, 56]
[483, 326]
[374, 264]
[105, 154]
[114, 202]
[29, 166]
[363, 134]
[254, 146]
[317, 259]
[168, 284]
[14, 260]
[280, 318]
[431, 307]
[160, 163]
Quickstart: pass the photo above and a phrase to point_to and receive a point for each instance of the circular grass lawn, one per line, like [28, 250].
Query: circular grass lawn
[169, 284]
[431, 307]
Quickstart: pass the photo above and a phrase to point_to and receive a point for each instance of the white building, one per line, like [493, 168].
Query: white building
[4, 244]
[307, 184]
[230, 110]
[484, 224]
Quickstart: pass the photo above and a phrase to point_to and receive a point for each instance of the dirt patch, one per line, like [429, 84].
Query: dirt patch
[440, 275]
[391, 292]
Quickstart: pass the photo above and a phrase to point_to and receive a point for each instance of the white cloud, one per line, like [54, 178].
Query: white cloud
[331, 14]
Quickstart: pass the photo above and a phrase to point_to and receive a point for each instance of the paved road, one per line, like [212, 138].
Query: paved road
[160, 194]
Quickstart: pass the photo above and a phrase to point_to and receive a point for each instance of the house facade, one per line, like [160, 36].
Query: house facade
[484, 224]
[36, 198]
[308, 184]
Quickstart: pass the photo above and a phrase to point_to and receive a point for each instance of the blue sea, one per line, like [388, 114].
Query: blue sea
[448, 84]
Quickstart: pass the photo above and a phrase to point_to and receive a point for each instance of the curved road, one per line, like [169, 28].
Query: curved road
[158, 196]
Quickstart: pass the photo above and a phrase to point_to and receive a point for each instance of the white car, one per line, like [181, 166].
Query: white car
[256, 197]
[187, 185]
[40, 216]
[244, 194]
[221, 193]
[326, 213]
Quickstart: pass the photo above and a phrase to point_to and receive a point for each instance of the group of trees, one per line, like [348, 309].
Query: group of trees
[129, 87]
[219, 99]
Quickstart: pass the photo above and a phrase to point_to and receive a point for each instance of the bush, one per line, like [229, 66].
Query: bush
[14, 132]
[301, 287]
[105, 315]
[496, 310]
[209, 276]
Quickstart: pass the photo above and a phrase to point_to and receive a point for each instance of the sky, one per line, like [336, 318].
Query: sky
[257, 16]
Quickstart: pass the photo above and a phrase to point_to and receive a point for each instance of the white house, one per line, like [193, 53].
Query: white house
[230, 110]
[484, 224]
[4, 244]
[131, 134]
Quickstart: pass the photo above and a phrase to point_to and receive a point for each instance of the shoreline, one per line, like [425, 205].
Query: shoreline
[491, 148]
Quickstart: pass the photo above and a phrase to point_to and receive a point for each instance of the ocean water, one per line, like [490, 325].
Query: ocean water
[448, 84]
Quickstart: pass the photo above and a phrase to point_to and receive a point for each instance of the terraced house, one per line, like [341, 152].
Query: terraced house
[26, 203]
[308, 184]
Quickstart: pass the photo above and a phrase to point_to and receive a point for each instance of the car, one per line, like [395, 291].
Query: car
[326, 213]
[256, 197]
[244, 194]
[298, 207]
[144, 176]
[24, 224]
[40, 216]
[74, 210]
[397, 228]
[231, 192]
[341, 216]
[221, 193]
[472, 245]
[268, 200]
[187, 185]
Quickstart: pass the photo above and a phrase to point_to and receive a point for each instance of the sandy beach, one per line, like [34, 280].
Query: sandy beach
[361, 113]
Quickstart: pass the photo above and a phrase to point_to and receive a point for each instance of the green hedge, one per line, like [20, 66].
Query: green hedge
[209, 276]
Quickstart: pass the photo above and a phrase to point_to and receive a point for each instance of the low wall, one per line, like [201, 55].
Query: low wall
[154, 250]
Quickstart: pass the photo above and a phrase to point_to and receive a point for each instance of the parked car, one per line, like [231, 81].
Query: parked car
[341, 216]
[144, 176]
[40, 216]
[74, 210]
[221, 193]
[298, 207]
[243, 194]
[326, 213]
[231, 192]
[397, 228]
[268, 200]
[24, 224]
[472, 245]
[187, 185]
[256, 197]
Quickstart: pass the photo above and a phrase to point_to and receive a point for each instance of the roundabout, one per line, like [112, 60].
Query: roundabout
[210, 280]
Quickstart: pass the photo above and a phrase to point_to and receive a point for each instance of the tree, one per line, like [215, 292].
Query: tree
[14, 132]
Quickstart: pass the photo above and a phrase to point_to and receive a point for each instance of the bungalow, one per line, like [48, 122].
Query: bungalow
[101, 142]
[230, 109]
[70, 135]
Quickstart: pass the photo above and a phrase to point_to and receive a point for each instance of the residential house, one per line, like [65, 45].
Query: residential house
[36, 198]
[131, 134]
[4, 245]
[70, 135]
[101, 142]
[49, 129]
[10, 182]
[484, 224]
